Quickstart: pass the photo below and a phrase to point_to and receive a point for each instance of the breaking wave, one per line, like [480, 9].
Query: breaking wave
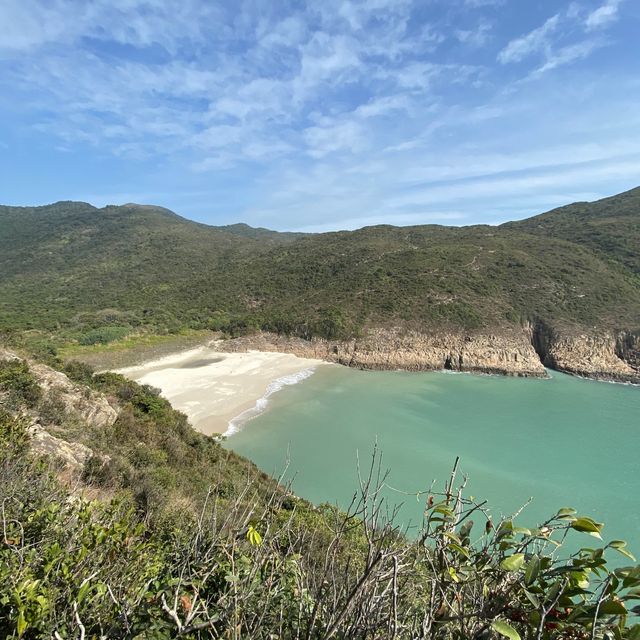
[261, 404]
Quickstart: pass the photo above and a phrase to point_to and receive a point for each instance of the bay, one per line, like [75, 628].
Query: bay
[562, 441]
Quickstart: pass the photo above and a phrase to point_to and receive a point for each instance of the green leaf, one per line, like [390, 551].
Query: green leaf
[612, 608]
[443, 509]
[532, 571]
[452, 536]
[587, 525]
[21, 624]
[513, 563]
[82, 592]
[524, 530]
[505, 630]
[566, 513]
[459, 549]
[620, 547]
[533, 598]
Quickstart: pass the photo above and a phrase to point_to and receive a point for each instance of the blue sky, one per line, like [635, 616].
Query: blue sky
[321, 115]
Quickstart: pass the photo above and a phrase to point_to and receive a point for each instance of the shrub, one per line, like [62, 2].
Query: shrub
[16, 379]
[103, 335]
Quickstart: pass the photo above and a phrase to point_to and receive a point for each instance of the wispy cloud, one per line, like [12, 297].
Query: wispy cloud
[570, 53]
[475, 4]
[476, 37]
[603, 15]
[345, 110]
[535, 41]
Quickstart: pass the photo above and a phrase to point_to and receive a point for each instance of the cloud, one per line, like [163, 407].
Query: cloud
[476, 4]
[37, 23]
[343, 112]
[570, 53]
[533, 42]
[341, 136]
[475, 37]
[603, 15]
[383, 106]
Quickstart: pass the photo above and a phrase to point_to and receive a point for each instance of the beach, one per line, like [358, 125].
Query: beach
[220, 391]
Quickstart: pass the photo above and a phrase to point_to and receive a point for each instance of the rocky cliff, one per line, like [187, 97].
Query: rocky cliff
[602, 356]
[515, 353]
[76, 403]
[506, 354]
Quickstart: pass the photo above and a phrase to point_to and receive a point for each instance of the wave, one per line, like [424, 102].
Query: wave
[261, 404]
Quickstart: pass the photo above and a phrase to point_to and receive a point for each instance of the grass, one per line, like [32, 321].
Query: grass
[134, 348]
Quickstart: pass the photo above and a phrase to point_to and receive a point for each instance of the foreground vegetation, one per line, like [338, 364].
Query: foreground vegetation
[97, 275]
[165, 534]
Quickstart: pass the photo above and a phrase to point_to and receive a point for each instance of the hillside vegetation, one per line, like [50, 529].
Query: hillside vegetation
[189, 540]
[70, 267]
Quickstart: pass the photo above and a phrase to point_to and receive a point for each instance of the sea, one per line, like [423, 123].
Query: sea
[541, 444]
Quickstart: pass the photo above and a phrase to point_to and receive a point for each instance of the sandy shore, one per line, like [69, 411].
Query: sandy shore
[218, 391]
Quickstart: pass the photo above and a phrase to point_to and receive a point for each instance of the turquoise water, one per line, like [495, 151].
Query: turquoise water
[563, 441]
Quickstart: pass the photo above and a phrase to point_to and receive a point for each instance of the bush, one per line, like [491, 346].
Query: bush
[280, 568]
[103, 335]
[16, 380]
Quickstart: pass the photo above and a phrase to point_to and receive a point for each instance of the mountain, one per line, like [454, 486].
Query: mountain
[610, 226]
[259, 233]
[70, 265]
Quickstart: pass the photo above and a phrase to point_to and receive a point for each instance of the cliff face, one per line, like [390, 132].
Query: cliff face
[524, 353]
[88, 406]
[77, 402]
[628, 348]
[508, 354]
[602, 356]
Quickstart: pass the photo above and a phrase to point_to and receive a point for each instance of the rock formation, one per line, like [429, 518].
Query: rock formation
[89, 406]
[411, 351]
[514, 353]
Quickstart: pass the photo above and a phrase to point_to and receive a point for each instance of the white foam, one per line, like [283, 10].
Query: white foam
[261, 404]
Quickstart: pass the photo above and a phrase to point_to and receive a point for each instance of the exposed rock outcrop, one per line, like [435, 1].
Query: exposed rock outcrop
[506, 354]
[91, 407]
[628, 348]
[72, 454]
[601, 356]
[516, 353]
[80, 402]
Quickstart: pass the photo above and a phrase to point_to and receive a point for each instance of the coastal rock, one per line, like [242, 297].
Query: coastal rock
[384, 349]
[73, 455]
[91, 407]
[601, 356]
[628, 348]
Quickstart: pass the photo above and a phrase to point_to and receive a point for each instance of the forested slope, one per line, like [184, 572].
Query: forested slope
[577, 266]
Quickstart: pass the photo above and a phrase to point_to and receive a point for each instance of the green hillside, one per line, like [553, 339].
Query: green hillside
[610, 226]
[161, 533]
[72, 265]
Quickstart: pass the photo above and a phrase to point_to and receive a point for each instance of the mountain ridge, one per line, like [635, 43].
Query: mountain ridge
[615, 199]
[574, 271]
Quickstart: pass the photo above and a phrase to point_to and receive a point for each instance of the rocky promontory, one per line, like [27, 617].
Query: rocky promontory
[514, 353]
[597, 355]
[388, 349]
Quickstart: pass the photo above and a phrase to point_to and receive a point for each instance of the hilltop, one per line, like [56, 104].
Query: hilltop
[70, 268]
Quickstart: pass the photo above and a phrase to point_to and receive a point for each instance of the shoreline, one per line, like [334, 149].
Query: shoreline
[223, 384]
[506, 354]
[220, 391]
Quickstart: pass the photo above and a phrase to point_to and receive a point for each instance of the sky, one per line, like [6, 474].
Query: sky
[314, 116]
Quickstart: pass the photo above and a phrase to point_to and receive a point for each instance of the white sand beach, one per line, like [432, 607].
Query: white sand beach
[218, 391]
